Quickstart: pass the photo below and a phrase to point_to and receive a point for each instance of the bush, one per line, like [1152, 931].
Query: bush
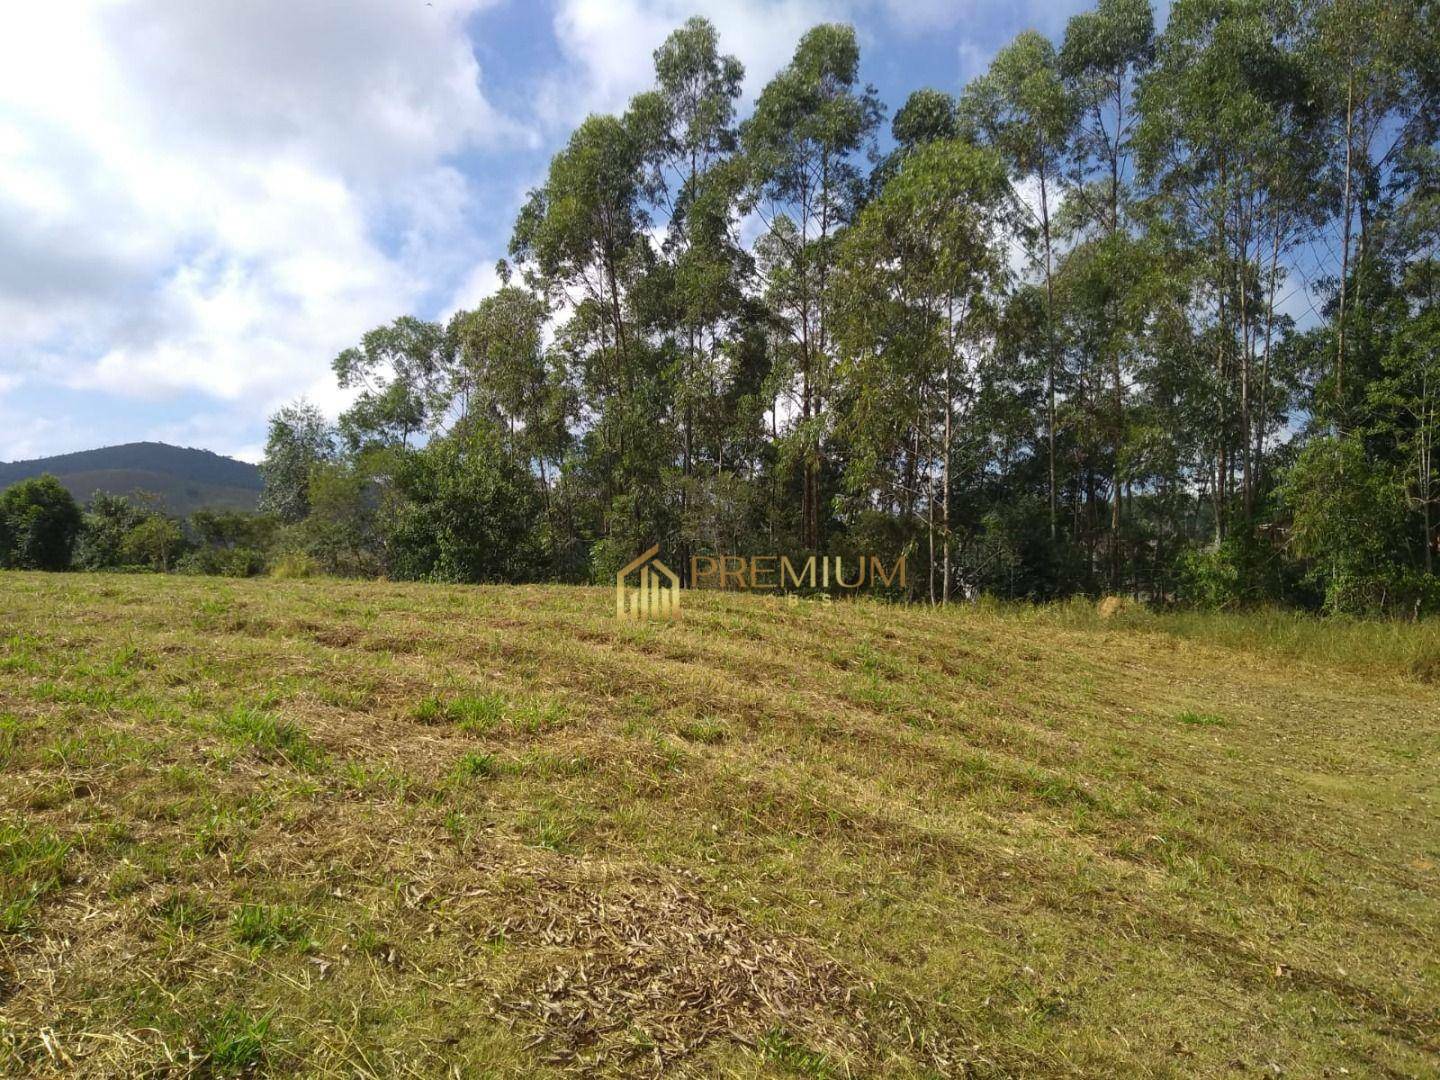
[42, 521]
[1350, 522]
[108, 518]
[237, 562]
[1241, 572]
[155, 542]
[466, 512]
[341, 533]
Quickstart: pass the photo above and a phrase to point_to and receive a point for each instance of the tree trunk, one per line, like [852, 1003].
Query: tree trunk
[945, 473]
[1345, 238]
[1050, 364]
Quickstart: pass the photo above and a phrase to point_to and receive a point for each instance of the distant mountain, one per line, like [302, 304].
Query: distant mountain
[184, 479]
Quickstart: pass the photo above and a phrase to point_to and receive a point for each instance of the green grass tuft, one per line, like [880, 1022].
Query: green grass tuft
[32, 866]
[233, 1042]
[271, 738]
[476, 766]
[1200, 719]
[266, 926]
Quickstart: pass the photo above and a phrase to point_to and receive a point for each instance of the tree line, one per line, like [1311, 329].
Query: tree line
[1137, 311]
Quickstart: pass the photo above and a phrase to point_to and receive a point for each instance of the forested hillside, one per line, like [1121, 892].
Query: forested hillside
[183, 479]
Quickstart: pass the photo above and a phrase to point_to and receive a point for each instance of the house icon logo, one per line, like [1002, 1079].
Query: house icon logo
[658, 595]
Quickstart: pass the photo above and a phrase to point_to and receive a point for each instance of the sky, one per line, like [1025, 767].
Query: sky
[203, 201]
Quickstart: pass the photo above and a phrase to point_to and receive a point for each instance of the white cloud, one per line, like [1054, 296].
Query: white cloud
[215, 199]
[480, 282]
[612, 43]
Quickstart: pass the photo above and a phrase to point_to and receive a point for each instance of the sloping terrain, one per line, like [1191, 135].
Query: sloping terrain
[375, 829]
[184, 479]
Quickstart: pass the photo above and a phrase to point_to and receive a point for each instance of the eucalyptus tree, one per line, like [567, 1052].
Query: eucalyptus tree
[513, 381]
[696, 182]
[1405, 400]
[581, 240]
[502, 358]
[1400, 417]
[921, 282]
[581, 236]
[1024, 109]
[403, 372]
[1375, 66]
[802, 148]
[927, 116]
[300, 438]
[1230, 140]
[1104, 54]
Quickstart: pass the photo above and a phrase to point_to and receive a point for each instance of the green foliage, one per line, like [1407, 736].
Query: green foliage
[1042, 346]
[400, 371]
[300, 438]
[1348, 515]
[153, 543]
[239, 562]
[341, 533]
[1241, 572]
[467, 512]
[293, 564]
[106, 522]
[41, 525]
[927, 116]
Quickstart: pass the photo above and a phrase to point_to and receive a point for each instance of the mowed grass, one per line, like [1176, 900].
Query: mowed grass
[342, 828]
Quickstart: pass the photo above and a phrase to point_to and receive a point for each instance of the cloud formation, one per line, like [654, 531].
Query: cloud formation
[217, 198]
[202, 203]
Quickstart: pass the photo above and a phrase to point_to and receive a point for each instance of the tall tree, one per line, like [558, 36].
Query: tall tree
[582, 241]
[921, 275]
[1375, 67]
[1023, 108]
[1104, 54]
[697, 185]
[810, 123]
[403, 372]
[522, 386]
[1229, 139]
[300, 438]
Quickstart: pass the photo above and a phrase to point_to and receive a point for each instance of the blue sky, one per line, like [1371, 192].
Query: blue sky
[201, 204]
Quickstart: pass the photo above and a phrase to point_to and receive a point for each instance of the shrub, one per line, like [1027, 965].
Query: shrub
[153, 543]
[1350, 522]
[107, 521]
[1241, 572]
[466, 512]
[223, 562]
[41, 524]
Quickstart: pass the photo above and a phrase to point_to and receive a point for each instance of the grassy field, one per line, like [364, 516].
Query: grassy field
[342, 828]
